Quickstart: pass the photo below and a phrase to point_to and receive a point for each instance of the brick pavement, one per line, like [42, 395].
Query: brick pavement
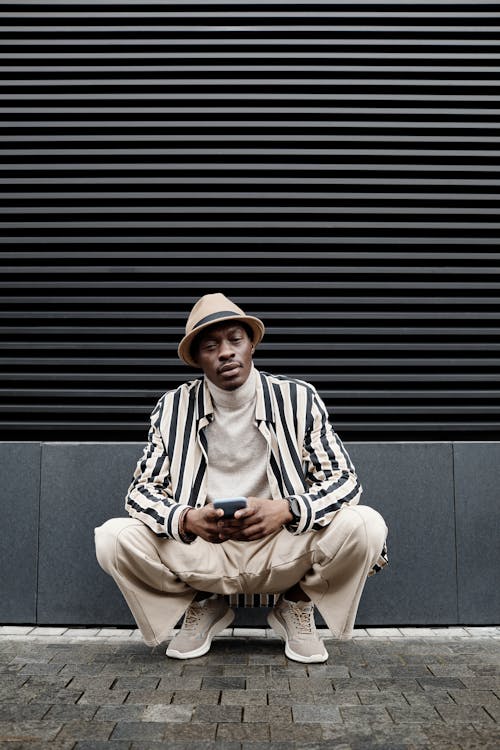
[393, 689]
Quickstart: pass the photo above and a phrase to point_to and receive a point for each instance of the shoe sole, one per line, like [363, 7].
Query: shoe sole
[217, 627]
[280, 630]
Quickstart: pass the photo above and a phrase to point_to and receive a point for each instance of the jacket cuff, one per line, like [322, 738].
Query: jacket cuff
[306, 519]
[172, 522]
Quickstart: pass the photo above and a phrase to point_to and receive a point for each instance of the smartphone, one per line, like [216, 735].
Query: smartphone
[230, 505]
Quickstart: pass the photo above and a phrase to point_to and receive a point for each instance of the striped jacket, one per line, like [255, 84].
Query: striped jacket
[306, 459]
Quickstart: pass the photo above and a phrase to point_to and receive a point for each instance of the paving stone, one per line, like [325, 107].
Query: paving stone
[66, 712]
[294, 732]
[138, 730]
[86, 730]
[466, 714]
[28, 731]
[190, 732]
[136, 683]
[242, 697]
[224, 683]
[120, 713]
[413, 714]
[268, 714]
[195, 696]
[149, 697]
[167, 714]
[184, 682]
[36, 745]
[310, 713]
[103, 696]
[218, 714]
[242, 732]
[364, 713]
[481, 697]
[23, 712]
[102, 745]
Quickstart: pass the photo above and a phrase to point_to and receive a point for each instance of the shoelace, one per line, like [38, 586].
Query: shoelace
[302, 618]
[192, 617]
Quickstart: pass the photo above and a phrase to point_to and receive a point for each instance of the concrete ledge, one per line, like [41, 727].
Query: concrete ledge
[439, 501]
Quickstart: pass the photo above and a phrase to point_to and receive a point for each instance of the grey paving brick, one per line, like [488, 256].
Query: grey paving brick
[65, 712]
[268, 714]
[86, 730]
[218, 714]
[29, 731]
[481, 697]
[242, 732]
[294, 732]
[242, 697]
[149, 697]
[190, 732]
[310, 713]
[413, 714]
[138, 730]
[102, 745]
[466, 714]
[279, 684]
[446, 683]
[23, 712]
[364, 713]
[168, 713]
[185, 682]
[136, 683]
[196, 696]
[37, 745]
[376, 697]
[122, 712]
[320, 685]
[224, 683]
[103, 696]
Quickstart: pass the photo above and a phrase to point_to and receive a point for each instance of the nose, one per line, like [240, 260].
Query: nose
[225, 350]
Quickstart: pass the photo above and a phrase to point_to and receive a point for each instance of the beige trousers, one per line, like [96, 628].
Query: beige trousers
[160, 577]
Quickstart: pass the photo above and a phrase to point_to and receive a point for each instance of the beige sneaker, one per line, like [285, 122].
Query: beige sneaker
[294, 622]
[201, 622]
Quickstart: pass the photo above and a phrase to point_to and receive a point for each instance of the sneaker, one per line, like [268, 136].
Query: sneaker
[294, 622]
[201, 622]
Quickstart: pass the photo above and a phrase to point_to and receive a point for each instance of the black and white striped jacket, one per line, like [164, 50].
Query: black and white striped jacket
[306, 459]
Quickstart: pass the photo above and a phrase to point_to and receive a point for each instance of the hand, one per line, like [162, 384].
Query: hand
[205, 522]
[259, 519]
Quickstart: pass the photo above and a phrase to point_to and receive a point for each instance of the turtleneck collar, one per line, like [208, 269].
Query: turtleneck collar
[237, 398]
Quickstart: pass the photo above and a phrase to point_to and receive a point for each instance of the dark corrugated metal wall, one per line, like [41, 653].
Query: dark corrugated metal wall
[332, 167]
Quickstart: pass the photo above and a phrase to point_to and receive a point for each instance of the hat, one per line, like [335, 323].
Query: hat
[211, 309]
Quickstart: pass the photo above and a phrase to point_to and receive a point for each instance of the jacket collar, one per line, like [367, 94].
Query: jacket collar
[264, 411]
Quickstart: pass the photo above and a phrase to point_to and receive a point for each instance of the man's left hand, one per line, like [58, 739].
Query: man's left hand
[262, 517]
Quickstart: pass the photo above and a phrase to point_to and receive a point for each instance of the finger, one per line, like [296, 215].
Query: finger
[244, 512]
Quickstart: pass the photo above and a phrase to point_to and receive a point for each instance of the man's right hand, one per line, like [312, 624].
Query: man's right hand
[204, 522]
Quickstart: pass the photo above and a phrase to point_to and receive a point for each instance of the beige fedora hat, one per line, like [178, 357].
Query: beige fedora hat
[211, 309]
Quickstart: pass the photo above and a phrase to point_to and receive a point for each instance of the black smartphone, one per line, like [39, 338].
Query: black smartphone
[230, 505]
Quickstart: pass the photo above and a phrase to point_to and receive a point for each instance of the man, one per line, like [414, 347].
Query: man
[239, 432]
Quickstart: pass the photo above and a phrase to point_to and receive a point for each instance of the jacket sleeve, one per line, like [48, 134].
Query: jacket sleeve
[329, 474]
[150, 498]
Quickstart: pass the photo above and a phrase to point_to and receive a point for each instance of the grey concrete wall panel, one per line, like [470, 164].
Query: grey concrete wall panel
[477, 497]
[19, 499]
[412, 486]
[82, 486]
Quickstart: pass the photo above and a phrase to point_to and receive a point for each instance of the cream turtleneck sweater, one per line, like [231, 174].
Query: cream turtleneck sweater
[237, 452]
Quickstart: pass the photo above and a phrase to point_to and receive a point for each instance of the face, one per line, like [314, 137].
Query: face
[224, 353]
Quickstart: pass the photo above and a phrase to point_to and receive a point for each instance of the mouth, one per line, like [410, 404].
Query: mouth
[229, 369]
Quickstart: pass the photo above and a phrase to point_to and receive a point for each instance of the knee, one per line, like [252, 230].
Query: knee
[106, 539]
[370, 531]
[359, 526]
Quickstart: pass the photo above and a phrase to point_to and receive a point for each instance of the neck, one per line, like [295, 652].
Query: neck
[236, 398]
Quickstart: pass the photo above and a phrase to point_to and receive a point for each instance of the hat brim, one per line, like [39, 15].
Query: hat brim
[184, 348]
